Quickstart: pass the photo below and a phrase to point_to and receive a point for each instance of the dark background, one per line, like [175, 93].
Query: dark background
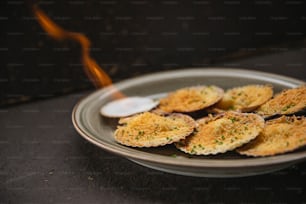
[131, 38]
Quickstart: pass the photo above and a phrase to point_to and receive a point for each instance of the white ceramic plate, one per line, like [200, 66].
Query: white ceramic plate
[99, 130]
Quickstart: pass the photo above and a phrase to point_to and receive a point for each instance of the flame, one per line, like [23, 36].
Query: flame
[94, 72]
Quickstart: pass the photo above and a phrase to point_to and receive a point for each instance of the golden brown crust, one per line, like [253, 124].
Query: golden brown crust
[245, 98]
[222, 133]
[280, 135]
[191, 99]
[286, 102]
[228, 130]
[151, 130]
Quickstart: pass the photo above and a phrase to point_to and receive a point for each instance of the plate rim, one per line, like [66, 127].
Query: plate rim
[127, 152]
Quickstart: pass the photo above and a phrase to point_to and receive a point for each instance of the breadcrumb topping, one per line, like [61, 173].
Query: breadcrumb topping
[222, 133]
[191, 99]
[280, 135]
[287, 102]
[149, 129]
[245, 98]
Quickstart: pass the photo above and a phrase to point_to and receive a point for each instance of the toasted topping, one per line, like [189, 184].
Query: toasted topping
[150, 130]
[222, 133]
[191, 99]
[287, 102]
[245, 98]
[280, 135]
[225, 131]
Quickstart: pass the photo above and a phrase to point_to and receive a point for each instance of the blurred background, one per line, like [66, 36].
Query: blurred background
[135, 37]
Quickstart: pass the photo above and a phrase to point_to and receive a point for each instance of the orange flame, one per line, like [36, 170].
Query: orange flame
[98, 77]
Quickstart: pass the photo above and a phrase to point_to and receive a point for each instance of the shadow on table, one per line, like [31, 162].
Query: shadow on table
[122, 180]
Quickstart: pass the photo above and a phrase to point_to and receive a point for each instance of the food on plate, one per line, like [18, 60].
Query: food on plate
[245, 98]
[181, 118]
[191, 99]
[222, 133]
[151, 130]
[280, 135]
[288, 101]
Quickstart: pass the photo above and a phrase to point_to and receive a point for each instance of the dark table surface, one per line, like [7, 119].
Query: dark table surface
[44, 160]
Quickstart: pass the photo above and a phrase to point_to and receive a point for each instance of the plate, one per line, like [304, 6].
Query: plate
[99, 130]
